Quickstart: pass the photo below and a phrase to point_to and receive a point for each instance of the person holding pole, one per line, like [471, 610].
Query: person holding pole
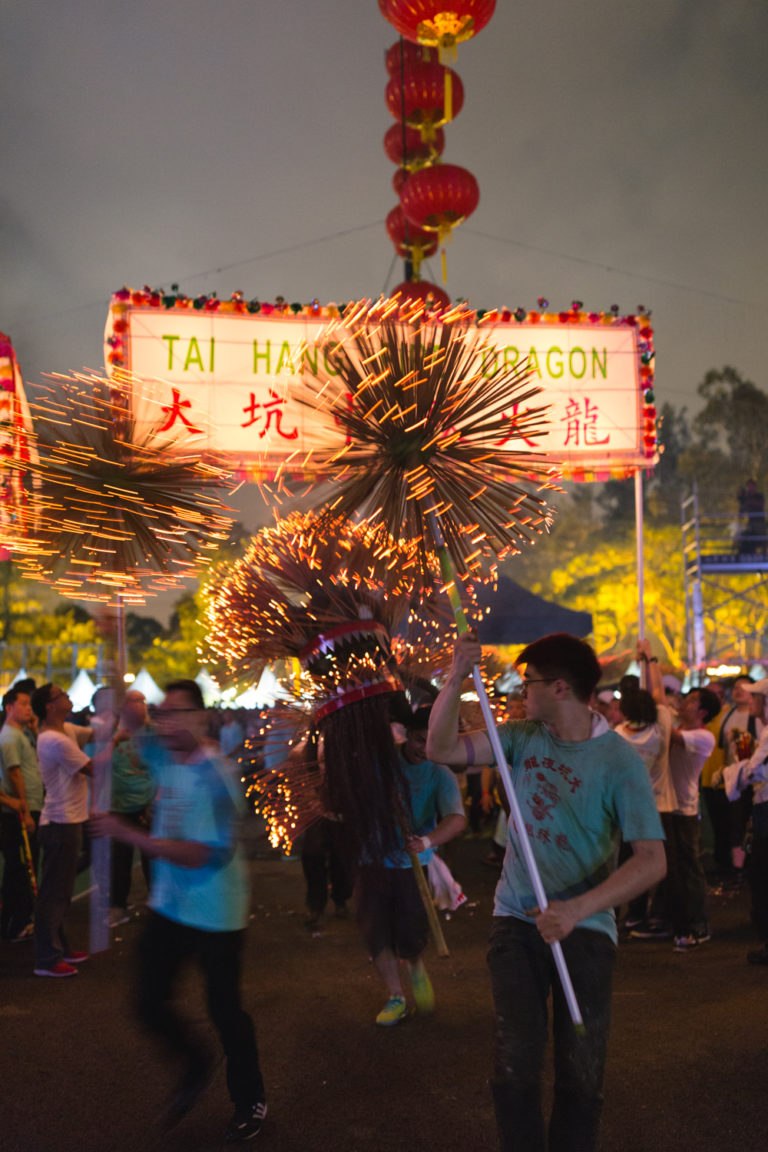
[18, 830]
[579, 788]
[390, 910]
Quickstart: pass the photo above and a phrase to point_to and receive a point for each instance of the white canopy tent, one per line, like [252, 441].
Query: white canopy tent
[81, 690]
[209, 688]
[147, 686]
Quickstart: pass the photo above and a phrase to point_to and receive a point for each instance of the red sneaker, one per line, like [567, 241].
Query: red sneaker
[59, 969]
[76, 958]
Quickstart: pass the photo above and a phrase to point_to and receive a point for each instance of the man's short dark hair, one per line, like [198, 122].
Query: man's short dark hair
[192, 690]
[12, 696]
[628, 683]
[638, 707]
[561, 656]
[708, 703]
[27, 685]
[40, 698]
[419, 720]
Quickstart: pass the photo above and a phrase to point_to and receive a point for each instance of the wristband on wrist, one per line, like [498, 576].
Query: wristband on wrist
[425, 840]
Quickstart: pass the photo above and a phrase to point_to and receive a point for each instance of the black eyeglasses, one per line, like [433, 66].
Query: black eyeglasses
[536, 680]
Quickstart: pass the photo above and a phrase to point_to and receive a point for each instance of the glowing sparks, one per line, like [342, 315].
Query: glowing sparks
[332, 598]
[108, 512]
[427, 421]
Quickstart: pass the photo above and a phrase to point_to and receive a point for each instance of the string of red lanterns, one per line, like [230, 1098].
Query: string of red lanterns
[423, 95]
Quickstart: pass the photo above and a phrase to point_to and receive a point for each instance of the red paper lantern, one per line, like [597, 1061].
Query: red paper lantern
[411, 243]
[439, 198]
[429, 96]
[424, 291]
[418, 153]
[438, 23]
[412, 54]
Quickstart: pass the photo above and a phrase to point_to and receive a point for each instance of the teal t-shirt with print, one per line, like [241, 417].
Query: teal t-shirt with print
[578, 800]
[201, 802]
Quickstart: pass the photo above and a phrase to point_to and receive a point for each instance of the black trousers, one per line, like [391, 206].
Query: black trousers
[122, 862]
[61, 847]
[685, 883]
[16, 895]
[164, 948]
[523, 976]
[322, 860]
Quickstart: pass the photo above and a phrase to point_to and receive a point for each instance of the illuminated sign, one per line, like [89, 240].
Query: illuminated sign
[225, 376]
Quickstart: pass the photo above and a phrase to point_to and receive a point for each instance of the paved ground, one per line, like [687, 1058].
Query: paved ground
[686, 1067]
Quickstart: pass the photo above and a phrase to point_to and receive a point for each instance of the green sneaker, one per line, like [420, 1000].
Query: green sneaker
[423, 992]
[395, 1009]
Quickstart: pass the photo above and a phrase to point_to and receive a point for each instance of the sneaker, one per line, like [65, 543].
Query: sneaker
[116, 917]
[691, 941]
[246, 1123]
[650, 930]
[630, 924]
[423, 992]
[76, 958]
[394, 1010]
[58, 970]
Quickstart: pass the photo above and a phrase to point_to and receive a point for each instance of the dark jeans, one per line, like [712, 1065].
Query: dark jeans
[322, 861]
[122, 861]
[718, 810]
[16, 895]
[685, 884]
[522, 973]
[164, 948]
[61, 847]
[758, 870]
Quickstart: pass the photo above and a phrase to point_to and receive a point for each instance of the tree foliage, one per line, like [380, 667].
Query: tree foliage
[729, 442]
[41, 631]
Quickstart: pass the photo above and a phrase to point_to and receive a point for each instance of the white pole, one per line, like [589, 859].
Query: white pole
[640, 554]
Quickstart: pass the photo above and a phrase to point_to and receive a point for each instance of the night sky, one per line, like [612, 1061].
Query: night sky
[619, 148]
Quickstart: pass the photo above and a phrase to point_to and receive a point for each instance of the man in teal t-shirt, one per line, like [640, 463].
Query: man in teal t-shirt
[199, 906]
[580, 788]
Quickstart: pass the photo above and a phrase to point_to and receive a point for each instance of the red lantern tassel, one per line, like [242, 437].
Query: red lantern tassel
[448, 96]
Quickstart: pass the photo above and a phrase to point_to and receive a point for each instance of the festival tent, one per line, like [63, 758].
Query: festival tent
[269, 690]
[208, 686]
[146, 685]
[518, 616]
[81, 690]
[248, 699]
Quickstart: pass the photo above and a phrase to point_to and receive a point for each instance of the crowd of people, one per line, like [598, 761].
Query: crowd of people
[611, 788]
